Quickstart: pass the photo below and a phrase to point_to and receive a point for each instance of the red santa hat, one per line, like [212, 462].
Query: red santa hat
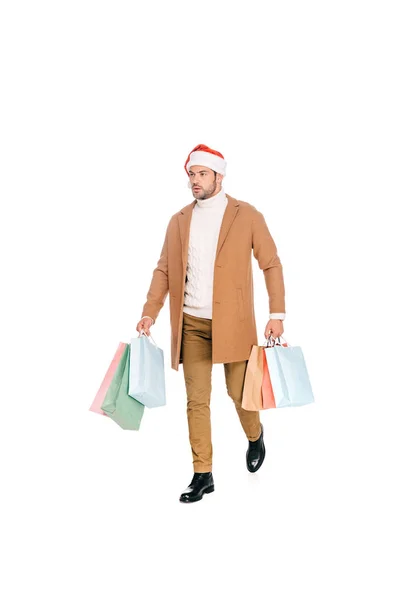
[206, 157]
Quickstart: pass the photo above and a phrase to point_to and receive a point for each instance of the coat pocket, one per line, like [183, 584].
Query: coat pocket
[239, 295]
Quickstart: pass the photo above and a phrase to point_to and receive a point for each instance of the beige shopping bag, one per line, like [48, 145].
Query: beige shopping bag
[252, 390]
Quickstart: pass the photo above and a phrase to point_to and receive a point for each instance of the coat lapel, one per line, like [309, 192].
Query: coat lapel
[185, 217]
[230, 213]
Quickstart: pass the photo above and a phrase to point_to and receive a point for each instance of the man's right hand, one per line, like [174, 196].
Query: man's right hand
[144, 324]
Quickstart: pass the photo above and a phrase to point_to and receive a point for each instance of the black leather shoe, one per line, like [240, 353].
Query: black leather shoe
[256, 453]
[202, 483]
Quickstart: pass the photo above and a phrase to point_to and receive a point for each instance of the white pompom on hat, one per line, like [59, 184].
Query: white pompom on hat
[206, 157]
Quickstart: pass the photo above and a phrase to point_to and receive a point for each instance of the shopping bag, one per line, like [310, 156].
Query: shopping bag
[268, 398]
[99, 398]
[252, 394]
[124, 410]
[285, 379]
[146, 373]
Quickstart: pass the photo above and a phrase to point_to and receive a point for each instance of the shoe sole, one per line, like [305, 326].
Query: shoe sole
[205, 491]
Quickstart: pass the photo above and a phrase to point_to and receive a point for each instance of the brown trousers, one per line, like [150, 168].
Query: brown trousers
[197, 366]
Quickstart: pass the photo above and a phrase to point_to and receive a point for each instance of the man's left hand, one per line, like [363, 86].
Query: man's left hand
[274, 327]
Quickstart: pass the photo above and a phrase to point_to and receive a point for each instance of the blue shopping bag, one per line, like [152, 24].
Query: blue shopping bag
[146, 372]
[289, 376]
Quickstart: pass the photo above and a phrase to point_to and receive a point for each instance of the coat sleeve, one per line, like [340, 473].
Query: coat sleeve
[159, 283]
[265, 252]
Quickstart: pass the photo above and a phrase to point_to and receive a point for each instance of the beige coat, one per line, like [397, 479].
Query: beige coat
[243, 229]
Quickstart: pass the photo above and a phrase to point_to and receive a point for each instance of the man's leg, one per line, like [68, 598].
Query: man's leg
[197, 366]
[234, 378]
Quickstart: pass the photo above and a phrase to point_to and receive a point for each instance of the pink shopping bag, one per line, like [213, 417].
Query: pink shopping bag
[101, 394]
[268, 396]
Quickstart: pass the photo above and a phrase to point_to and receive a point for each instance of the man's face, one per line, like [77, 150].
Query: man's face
[203, 182]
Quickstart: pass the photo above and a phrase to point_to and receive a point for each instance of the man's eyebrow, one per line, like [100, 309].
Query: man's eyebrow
[202, 171]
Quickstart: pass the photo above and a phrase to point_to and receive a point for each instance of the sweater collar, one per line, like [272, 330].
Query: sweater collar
[216, 200]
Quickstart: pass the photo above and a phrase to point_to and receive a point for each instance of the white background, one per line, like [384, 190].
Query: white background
[101, 102]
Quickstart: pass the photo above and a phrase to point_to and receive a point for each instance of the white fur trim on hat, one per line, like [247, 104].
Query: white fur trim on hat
[206, 159]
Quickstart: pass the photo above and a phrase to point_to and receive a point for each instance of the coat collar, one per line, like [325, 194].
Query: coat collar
[185, 217]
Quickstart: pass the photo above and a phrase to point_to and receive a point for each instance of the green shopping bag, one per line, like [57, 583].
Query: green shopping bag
[122, 408]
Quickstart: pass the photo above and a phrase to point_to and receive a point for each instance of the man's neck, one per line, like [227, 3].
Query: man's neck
[211, 200]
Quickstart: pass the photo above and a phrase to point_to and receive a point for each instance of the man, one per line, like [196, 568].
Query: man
[205, 265]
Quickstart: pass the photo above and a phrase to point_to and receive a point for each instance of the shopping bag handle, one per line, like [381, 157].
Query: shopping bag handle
[270, 339]
[142, 332]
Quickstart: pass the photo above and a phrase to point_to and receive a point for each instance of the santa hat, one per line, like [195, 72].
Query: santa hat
[206, 157]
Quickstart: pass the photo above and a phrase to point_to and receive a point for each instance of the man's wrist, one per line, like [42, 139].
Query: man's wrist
[146, 317]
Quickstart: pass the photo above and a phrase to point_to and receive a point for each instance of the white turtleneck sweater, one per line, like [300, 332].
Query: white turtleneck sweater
[203, 239]
[204, 232]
